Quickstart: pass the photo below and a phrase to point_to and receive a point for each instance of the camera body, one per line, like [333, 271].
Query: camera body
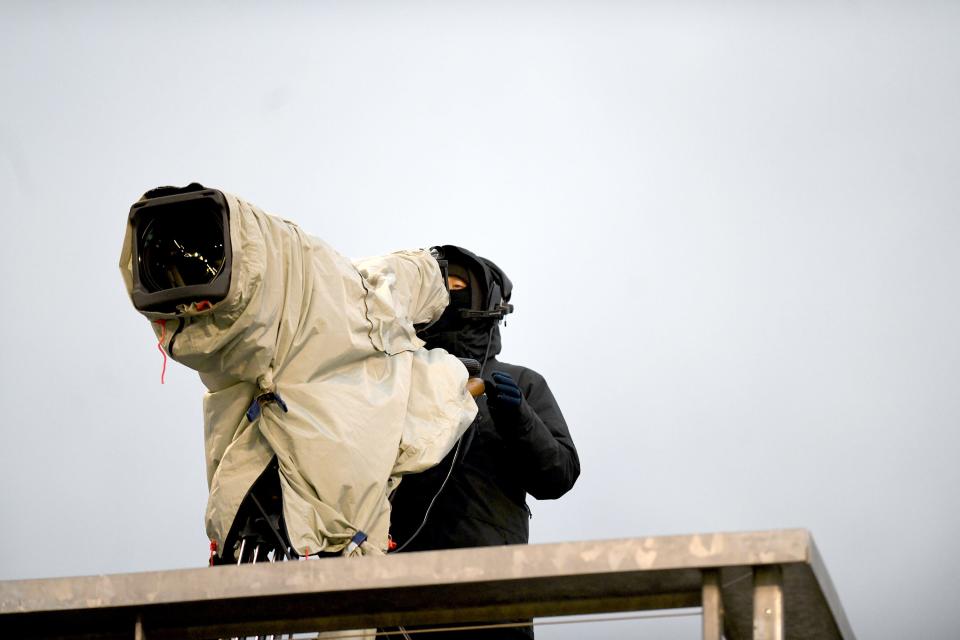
[311, 361]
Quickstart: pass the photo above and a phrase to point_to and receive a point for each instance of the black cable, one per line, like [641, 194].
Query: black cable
[283, 546]
[434, 499]
[453, 462]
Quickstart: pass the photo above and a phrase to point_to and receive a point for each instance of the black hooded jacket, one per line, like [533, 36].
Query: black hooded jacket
[495, 465]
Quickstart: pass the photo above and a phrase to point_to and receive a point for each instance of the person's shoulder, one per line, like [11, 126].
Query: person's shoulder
[519, 373]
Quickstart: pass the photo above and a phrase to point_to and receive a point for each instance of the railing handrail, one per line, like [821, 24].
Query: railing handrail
[484, 584]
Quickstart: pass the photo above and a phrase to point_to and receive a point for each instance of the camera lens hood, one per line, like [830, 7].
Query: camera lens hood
[181, 248]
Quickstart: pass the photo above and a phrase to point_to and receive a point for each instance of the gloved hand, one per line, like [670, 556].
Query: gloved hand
[504, 399]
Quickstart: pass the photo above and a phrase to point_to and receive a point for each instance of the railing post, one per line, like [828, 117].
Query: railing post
[767, 603]
[712, 606]
[138, 630]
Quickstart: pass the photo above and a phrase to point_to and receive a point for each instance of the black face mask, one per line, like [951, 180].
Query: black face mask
[460, 299]
[451, 320]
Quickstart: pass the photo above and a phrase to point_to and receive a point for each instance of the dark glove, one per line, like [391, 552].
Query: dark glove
[504, 399]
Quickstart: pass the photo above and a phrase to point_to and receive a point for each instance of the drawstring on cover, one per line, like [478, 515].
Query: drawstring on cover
[163, 333]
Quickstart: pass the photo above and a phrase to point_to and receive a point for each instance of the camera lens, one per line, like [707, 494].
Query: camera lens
[180, 246]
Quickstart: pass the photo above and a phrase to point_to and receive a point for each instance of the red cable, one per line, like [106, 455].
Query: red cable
[163, 333]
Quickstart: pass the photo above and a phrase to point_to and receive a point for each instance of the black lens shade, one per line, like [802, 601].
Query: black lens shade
[181, 250]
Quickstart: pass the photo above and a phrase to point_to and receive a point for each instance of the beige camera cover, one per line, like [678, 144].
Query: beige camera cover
[335, 339]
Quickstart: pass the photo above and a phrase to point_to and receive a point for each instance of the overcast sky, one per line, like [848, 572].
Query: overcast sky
[733, 234]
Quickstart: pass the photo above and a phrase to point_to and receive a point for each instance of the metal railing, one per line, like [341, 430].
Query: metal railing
[765, 585]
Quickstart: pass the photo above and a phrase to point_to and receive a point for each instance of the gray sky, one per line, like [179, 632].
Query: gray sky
[733, 234]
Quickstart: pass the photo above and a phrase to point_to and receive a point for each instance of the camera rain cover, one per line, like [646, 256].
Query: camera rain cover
[363, 402]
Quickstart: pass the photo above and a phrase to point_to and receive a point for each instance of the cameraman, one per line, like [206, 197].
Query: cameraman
[519, 443]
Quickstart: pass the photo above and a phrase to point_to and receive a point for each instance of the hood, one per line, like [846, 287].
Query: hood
[475, 337]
